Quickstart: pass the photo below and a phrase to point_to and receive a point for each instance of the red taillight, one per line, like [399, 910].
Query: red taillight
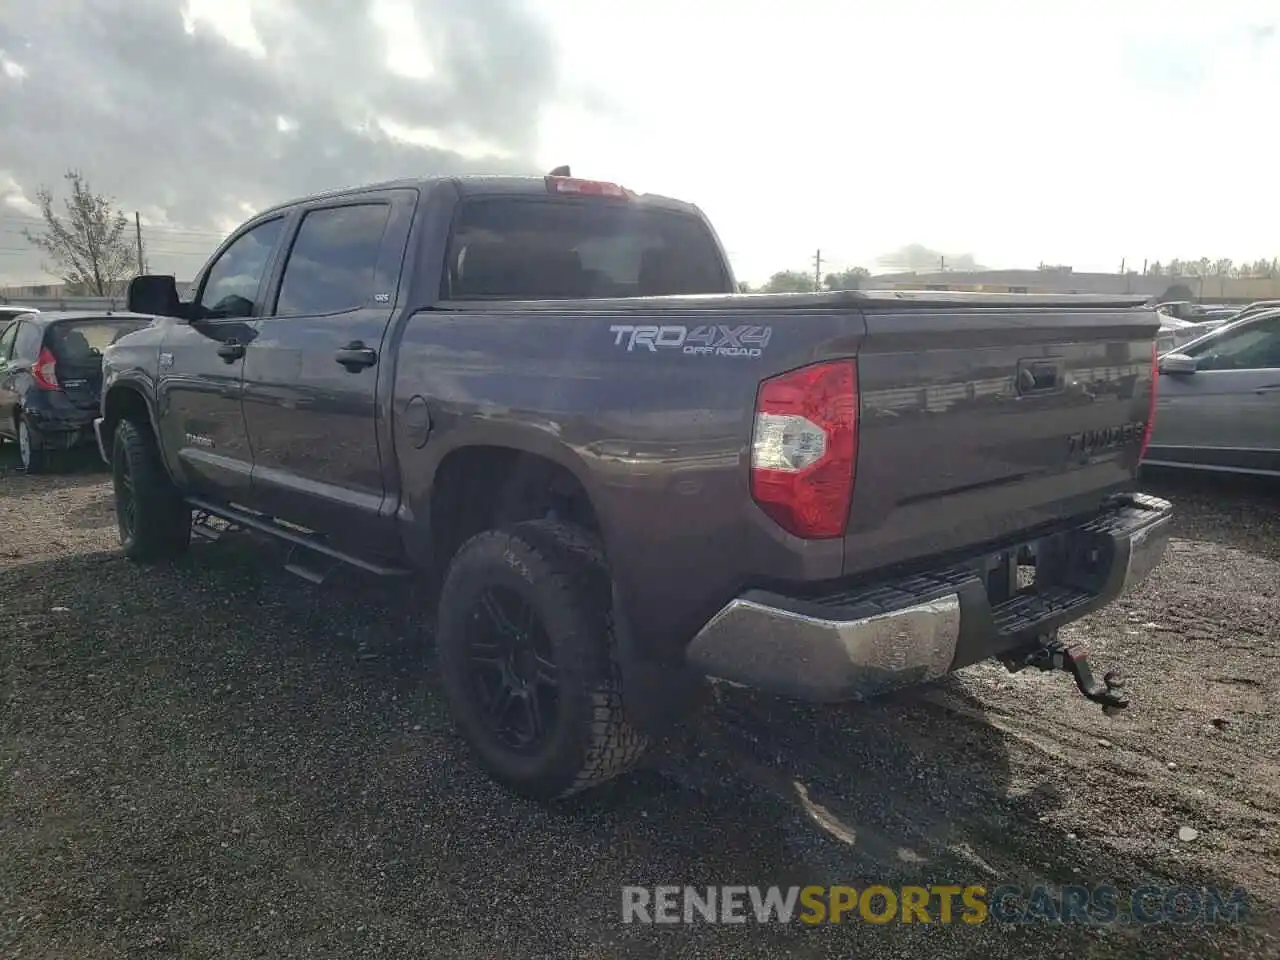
[584, 188]
[804, 448]
[1151, 403]
[43, 371]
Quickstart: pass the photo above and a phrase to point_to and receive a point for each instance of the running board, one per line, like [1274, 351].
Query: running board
[265, 525]
[306, 573]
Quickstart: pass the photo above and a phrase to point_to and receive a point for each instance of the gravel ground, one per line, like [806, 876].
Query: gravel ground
[216, 759]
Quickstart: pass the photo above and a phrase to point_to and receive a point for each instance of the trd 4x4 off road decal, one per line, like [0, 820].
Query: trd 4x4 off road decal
[715, 341]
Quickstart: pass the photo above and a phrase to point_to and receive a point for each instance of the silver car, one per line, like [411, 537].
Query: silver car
[1218, 404]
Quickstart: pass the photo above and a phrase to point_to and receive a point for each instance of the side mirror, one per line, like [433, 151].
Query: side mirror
[154, 294]
[1178, 363]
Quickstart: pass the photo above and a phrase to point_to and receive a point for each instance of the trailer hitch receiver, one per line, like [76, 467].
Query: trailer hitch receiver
[1053, 654]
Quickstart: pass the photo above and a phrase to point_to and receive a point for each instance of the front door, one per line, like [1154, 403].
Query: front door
[313, 369]
[201, 364]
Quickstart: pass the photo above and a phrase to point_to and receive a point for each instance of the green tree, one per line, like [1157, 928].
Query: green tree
[744, 287]
[89, 244]
[850, 279]
[790, 281]
[1155, 270]
[1259, 268]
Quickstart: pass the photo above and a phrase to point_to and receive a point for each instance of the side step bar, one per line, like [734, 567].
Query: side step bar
[265, 525]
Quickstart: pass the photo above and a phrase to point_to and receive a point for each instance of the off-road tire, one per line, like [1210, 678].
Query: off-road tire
[559, 571]
[161, 525]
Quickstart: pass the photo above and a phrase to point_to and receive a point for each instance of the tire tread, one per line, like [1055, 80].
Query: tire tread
[574, 560]
[162, 520]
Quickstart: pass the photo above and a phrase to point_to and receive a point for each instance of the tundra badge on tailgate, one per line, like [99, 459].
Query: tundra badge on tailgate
[718, 341]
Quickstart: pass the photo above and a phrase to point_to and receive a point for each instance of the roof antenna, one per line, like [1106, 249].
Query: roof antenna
[560, 172]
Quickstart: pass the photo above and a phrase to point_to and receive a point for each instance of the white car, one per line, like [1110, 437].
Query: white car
[1174, 333]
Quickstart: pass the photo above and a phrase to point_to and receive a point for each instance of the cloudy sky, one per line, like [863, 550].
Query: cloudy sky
[1068, 131]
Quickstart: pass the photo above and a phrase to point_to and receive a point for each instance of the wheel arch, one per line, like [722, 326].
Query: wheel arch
[125, 397]
[487, 484]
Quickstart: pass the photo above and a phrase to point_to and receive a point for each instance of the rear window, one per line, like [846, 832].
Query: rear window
[516, 249]
[77, 342]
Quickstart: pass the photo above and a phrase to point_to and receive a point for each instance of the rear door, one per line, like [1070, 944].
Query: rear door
[312, 371]
[1225, 415]
[201, 362]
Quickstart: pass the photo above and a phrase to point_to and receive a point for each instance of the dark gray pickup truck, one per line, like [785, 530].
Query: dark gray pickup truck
[619, 478]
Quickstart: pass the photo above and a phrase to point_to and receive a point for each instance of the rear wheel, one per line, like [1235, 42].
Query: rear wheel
[525, 644]
[31, 452]
[154, 521]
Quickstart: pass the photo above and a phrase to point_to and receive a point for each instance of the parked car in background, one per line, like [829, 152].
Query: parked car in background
[9, 311]
[1258, 306]
[1219, 400]
[1175, 332]
[51, 378]
[1179, 309]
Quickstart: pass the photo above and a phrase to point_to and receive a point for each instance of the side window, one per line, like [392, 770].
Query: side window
[7, 337]
[232, 281]
[334, 261]
[27, 346]
[1254, 347]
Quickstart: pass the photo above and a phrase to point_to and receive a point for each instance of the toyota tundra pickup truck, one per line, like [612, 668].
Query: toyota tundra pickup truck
[542, 398]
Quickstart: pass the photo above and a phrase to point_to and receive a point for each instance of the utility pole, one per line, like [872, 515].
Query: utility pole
[137, 232]
[817, 270]
[942, 264]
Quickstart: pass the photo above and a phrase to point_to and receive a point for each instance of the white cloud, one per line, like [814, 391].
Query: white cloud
[1080, 133]
[233, 19]
[407, 53]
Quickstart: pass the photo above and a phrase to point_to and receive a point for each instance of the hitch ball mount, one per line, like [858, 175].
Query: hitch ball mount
[1053, 654]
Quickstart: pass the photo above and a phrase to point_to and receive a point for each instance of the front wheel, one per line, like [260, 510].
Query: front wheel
[154, 521]
[524, 639]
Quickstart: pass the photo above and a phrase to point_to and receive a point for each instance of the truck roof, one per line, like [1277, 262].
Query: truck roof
[49, 317]
[479, 185]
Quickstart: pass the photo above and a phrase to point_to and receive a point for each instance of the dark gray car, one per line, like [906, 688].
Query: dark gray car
[542, 398]
[51, 379]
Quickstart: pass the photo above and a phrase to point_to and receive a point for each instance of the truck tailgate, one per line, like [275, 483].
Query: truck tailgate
[981, 420]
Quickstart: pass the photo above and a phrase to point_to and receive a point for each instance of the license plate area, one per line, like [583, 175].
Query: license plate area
[1073, 559]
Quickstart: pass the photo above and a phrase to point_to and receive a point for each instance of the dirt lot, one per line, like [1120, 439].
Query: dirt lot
[216, 759]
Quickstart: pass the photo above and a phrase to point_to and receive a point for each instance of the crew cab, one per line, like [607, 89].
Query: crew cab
[543, 398]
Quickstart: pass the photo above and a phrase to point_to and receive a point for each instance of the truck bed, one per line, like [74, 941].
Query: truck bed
[950, 453]
[837, 299]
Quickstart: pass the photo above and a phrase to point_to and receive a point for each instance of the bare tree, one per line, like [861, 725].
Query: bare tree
[89, 246]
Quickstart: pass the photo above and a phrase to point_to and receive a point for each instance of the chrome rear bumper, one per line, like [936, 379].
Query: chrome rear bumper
[857, 644]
